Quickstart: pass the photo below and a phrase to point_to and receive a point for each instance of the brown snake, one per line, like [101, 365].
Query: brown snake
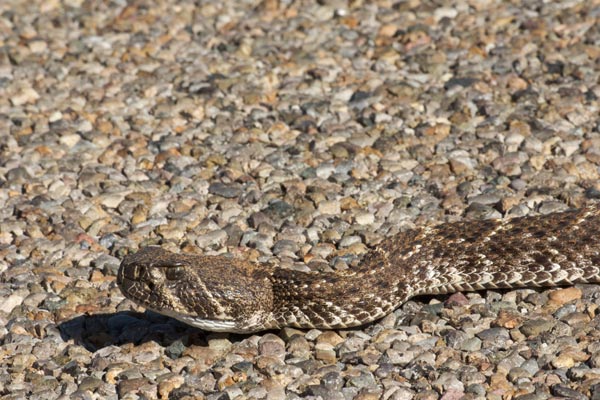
[217, 293]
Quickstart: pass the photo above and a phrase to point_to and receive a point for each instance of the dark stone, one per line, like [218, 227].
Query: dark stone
[563, 391]
[464, 82]
[175, 349]
[278, 209]
[360, 95]
[229, 191]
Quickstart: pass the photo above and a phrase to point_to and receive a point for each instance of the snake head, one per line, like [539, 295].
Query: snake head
[212, 293]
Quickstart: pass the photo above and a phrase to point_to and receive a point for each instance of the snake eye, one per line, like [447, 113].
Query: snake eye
[174, 273]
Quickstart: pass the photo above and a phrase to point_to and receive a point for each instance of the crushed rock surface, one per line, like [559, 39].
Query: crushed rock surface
[298, 133]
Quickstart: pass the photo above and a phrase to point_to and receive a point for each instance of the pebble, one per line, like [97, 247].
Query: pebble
[325, 352]
[223, 190]
[24, 96]
[271, 345]
[471, 344]
[167, 383]
[8, 303]
[219, 343]
[215, 239]
[535, 327]
[563, 296]
[329, 207]
[364, 218]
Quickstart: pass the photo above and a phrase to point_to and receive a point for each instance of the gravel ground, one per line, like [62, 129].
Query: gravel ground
[299, 133]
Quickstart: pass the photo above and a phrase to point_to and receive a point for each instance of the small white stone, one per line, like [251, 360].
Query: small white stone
[112, 200]
[231, 212]
[58, 189]
[5, 238]
[344, 95]
[331, 207]
[220, 344]
[444, 12]
[85, 126]
[514, 139]
[6, 71]
[70, 140]
[38, 46]
[8, 303]
[364, 218]
[325, 171]
[570, 147]
[216, 238]
[74, 3]
[55, 116]
[25, 95]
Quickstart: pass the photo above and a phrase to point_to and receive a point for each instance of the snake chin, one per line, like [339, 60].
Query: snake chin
[210, 325]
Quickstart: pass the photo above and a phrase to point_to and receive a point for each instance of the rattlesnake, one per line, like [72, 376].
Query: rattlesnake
[218, 293]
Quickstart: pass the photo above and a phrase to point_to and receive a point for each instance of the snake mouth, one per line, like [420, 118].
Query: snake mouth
[132, 281]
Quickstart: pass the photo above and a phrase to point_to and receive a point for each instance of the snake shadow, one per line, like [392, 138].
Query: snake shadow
[97, 331]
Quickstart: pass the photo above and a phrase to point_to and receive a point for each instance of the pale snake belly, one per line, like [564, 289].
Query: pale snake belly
[218, 293]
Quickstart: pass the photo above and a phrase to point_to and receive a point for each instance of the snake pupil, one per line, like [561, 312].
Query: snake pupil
[174, 273]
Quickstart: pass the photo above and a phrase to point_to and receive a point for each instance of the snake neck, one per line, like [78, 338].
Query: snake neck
[338, 299]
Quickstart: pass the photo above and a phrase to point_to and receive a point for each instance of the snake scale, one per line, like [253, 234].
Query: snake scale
[218, 293]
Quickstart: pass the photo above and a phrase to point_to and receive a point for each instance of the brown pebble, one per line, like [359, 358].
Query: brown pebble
[456, 299]
[563, 296]
[325, 352]
[368, 395]
[388, 30]
[271, 345]
[507, 319]
[168, 383]
[128, 386]
[199, 353]
[329, 337]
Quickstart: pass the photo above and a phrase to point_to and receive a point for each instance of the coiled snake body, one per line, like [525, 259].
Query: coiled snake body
[217, 293]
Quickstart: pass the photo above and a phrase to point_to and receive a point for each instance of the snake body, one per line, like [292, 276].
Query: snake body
[218, 293]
